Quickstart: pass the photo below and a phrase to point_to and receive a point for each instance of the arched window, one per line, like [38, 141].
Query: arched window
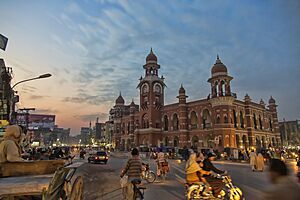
[128, 127]
[206, 119]
[218, 119]
[222, 88]
[234, 119]
[260, 122]
[270, 124]
[145, 121]
[254, 121]
[175, 122]
[194, 120]
[166, 123]
[242, 119]
[217, 88]
[225, 119]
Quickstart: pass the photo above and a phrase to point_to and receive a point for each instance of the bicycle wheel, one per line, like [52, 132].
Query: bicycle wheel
[150, 177]
[138, 195]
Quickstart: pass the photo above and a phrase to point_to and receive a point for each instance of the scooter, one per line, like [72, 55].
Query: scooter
[201, 190]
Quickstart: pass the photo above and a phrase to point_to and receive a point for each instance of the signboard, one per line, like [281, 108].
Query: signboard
[3, 42]
[235, 154]
[36, 121]
[3, 124]
[41, 121]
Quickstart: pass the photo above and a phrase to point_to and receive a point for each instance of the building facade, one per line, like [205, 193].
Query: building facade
[220, 120]
[290, 132]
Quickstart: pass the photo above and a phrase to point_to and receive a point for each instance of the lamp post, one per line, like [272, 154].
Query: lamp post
[13, 101]
[31, 79]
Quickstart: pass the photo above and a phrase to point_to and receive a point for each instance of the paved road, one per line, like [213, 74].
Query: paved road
[102, 181]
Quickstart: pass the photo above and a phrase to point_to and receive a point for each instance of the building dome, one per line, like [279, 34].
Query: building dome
[271, 100]
[219, 68]
[151, 57]
[132, 103]
[181, 90]
[120, 100]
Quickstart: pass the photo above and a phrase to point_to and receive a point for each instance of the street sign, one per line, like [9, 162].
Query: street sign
[3, 42]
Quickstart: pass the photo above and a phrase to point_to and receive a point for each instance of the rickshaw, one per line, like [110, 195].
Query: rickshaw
[40, 180]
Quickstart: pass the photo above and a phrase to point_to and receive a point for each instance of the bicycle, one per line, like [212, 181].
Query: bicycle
[138, 190]
[147, 174]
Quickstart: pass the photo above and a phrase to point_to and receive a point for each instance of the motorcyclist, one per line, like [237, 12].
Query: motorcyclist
[215, 183]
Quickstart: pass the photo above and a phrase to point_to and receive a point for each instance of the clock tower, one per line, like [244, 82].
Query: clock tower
[151, 88]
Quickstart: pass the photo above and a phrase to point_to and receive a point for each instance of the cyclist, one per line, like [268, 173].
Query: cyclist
[133, 169]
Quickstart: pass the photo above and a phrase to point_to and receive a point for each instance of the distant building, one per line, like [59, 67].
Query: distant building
[218, 121]
[85, 135]
[290, 132]
[6, 93]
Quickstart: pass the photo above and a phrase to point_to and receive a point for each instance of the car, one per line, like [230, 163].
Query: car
[100, 156]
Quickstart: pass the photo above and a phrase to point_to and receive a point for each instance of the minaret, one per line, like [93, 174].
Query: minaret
[274, 121]
[221, 100]
[183, 118]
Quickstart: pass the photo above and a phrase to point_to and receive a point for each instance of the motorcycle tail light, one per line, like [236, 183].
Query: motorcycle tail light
[210, 188]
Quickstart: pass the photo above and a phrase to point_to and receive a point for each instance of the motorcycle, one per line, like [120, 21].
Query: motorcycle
[201, 190]
[147, 174]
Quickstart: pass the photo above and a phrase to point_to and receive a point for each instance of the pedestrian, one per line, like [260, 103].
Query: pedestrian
[283, 186]
[253, 160]
[260, 165]
[133, 169]
[10, 149]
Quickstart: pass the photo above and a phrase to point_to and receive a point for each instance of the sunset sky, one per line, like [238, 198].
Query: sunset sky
[94, 49]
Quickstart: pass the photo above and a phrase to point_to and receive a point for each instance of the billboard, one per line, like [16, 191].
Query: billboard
[41, 121]
[36, 121]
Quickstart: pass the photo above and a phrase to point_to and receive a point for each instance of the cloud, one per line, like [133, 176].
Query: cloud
[92, 117]
[38, 97]
[45, 111]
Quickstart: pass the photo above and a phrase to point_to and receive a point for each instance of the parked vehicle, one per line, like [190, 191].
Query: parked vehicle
[100, 156]
[202, 191]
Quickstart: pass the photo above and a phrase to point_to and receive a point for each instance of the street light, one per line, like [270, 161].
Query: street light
[11, 94]
[30, 79]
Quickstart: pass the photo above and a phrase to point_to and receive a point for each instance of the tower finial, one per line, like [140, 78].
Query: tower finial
[151, 50]
[120, 93]
[218, 57]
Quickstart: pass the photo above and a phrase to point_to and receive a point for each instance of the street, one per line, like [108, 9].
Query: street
[102, 181]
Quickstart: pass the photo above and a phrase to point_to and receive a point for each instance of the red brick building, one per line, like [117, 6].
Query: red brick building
[218, 121]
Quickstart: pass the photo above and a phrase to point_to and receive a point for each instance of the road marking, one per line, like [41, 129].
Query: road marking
[180, 170]
[180, 179]
[229, 163]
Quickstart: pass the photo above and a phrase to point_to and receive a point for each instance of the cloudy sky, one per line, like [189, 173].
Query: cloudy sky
[94, 49]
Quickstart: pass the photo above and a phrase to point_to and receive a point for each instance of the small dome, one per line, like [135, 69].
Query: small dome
[218, 68]
[120, 100]
[271, 100]
[132, 103]
[181, 90]
[151, 57]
